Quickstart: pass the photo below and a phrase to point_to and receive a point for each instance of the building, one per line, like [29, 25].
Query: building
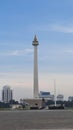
[7, 94]
[46, 95]
[60, 97]
[70, 98]
[35, 43]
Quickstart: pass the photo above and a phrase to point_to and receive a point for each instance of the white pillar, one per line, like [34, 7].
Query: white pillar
[36, 91]
[35, 73]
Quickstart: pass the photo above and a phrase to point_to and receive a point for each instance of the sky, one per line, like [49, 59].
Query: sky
[52, 22]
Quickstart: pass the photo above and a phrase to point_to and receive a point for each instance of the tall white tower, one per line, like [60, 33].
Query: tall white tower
[35, 43]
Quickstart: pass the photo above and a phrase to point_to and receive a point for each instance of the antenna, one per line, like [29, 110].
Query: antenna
[55, 92]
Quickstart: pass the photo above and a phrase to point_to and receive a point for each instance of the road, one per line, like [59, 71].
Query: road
[36, 119]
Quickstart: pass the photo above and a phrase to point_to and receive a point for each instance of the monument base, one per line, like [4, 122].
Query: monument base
[34, 102]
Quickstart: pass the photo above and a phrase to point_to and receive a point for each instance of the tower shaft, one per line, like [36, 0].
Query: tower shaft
[35, 73]
[35, 83]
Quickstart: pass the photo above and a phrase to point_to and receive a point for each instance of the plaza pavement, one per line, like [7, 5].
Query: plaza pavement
[36, 119]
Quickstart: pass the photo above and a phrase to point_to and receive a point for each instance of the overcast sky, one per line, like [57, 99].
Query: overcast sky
[52, 22]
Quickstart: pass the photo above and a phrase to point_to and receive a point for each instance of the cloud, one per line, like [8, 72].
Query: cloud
[26, 51]
[62, 28]
[70, 51]
[21, 52]
[54, 27]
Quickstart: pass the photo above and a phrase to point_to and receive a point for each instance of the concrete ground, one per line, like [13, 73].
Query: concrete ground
[36, 119]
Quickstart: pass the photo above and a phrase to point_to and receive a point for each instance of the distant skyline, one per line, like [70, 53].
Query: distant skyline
[52, 22]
